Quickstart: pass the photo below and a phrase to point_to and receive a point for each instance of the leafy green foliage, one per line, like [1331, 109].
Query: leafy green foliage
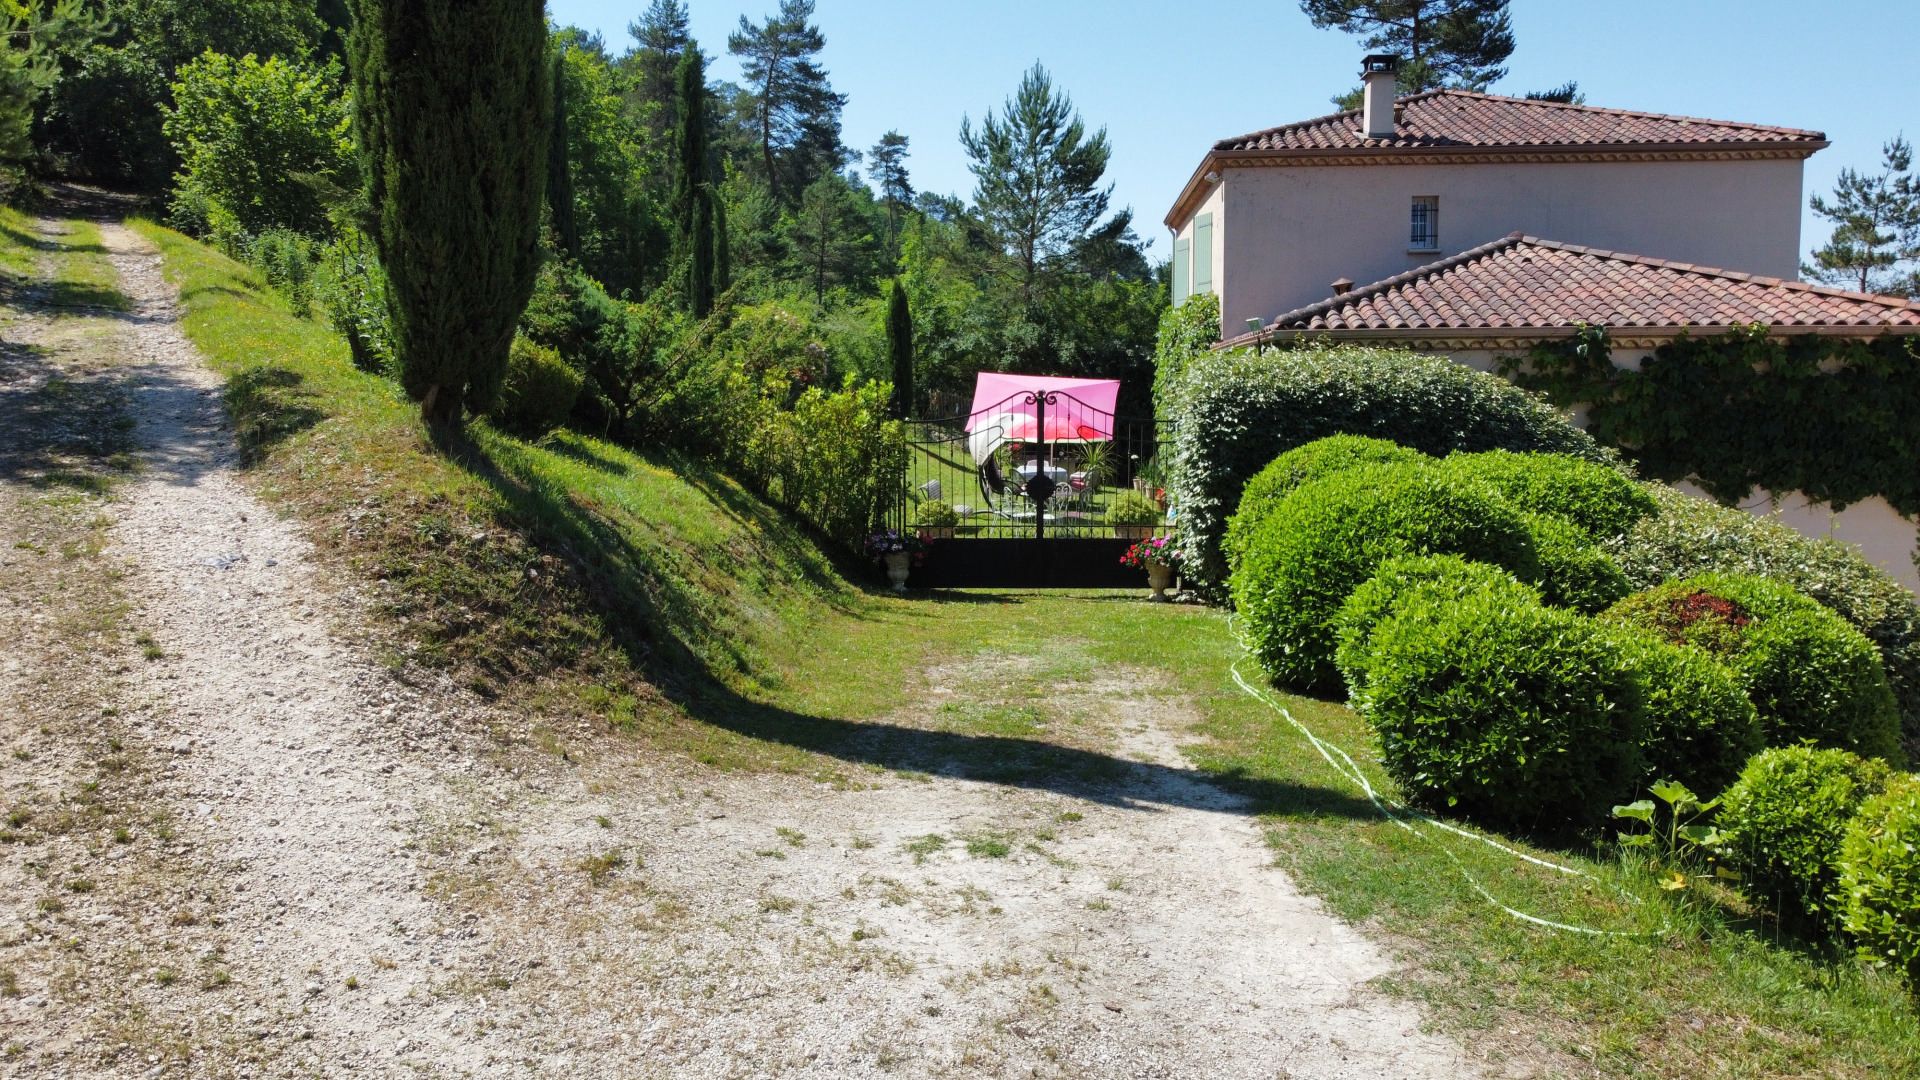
[1237, 409]
[1700, 729]
[1599, 499]
[286, 259]
[256, 140]
[1574, 571]
[1681, 840]
[1785, 819]
[453, 103]
[538, 392]
[1511, 713]
[1186, 331]
[1809, 674]
[34, 34]
[1332, 534]
[1688, 536]
[1441, 578]
[1443, 42]
[693, 197]
[1879, 879]
[352, 290]
[1827, 416]
[1321, 457]
[1134, 508]
[900, 350]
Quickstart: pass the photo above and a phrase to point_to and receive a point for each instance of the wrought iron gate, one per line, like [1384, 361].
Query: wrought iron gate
[1038, 491]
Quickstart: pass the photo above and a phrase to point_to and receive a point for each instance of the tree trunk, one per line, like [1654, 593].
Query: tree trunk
[440, 407]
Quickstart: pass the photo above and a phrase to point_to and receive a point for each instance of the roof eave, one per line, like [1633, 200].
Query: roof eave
[1519, 334]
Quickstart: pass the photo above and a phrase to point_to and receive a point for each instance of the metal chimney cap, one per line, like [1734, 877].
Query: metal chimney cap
[1342, 286]
[1379, 64]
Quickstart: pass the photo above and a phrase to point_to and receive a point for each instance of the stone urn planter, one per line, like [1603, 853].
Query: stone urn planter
[1159, 579]
[899, 565]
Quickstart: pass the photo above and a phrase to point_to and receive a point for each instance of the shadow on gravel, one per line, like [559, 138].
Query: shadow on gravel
[660, 621]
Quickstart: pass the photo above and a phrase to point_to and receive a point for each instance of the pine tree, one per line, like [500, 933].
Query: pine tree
[559, 170]
[1463, 43]
[453, 100]
[795, 107]
[661, 37]
[1039, 174]
[1876, 228]
[693, 188]
[900, 351]
[887, 164]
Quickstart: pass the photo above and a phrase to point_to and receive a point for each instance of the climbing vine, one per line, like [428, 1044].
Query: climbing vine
[1837, 418]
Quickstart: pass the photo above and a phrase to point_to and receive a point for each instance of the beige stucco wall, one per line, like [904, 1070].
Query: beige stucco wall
[1283, 233]
[1882, 535]
[1215, 204]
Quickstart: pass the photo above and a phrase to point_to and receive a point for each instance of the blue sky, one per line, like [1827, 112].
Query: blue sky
[1167, 80]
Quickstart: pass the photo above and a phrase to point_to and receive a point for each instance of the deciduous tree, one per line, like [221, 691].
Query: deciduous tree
[453, 100]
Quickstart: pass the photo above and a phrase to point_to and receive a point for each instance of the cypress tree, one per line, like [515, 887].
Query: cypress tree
[722, 249]
[559, 170]
[693, 191]
[453, 101]
[900, 351]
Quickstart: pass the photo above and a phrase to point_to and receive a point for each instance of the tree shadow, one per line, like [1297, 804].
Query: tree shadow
[269, 405]
[662, 622]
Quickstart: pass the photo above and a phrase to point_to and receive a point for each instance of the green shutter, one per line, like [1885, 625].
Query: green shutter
[1203, 253]
[1182, 249]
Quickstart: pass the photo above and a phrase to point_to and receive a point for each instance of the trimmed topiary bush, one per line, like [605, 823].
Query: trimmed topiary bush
[1330, 535]
[1600, 500]
[1784, 820]
[1810, 675]
[1574, 571]
[1688, 536]
[1321, 457]
[1446, 577]
[538, 392]
[1514, 714]
[1879, 878]
[1700, 727]
[1236, 410]
[1133, 508]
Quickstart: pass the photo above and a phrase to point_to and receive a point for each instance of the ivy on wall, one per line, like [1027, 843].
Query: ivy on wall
[1837, 418]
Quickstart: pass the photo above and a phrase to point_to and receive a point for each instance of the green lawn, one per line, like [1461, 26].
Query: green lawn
[649, 593]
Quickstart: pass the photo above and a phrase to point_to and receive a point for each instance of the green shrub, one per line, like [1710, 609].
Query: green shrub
[1879, 878]
[934, 514]
[1515, 714]
[285, 259]
[1321, 457]
[1332, 534]
[1688, 536]
[538, 392]
[1700, 728]
[1236, 410]
[1601, 500]
[1449, 577]
[1784, 820]
[1187, 330]
[352, 290]
[1574, 571]
[1811, 676]
[1133, 508]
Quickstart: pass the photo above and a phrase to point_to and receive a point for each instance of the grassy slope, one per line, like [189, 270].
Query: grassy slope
[809, 674]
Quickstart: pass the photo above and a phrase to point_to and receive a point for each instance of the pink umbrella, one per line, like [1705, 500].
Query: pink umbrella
[1082, 410]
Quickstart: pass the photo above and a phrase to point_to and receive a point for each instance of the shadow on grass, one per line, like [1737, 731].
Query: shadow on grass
[74, 294]
[269, 406]
[664, 622]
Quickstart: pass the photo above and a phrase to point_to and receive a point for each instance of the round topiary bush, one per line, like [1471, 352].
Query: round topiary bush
[1688, 536]
[538, 392]
[1574, 571]
[1811, 676]
[1321, 457]
[1236, 409]
[1700, 727]
[1600, 500]
[1517, 715]
[1331, 534]
[1879, 878]
[1785, 818]
[1445, 577]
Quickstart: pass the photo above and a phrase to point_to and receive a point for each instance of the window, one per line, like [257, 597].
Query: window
[1426, 223]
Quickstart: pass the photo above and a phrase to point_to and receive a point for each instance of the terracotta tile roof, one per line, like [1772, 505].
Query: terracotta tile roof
[1461, 119]
[1524, 283]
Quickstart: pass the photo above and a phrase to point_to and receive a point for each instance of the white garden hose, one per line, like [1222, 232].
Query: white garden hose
[1408, 818]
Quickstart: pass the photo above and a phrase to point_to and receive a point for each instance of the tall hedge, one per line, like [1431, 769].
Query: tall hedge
[1235, 411]
[453, 101]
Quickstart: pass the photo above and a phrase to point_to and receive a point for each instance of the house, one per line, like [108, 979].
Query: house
[1271, 221]
[1557, 215]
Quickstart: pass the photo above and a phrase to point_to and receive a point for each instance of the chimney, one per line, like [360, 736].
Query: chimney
[1342, 286]
[1378, 73]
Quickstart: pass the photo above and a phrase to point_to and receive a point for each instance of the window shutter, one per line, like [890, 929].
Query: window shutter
[1182, 253]
[1203, 253]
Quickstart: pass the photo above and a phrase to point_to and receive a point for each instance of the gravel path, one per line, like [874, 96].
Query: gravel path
[403, 891]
